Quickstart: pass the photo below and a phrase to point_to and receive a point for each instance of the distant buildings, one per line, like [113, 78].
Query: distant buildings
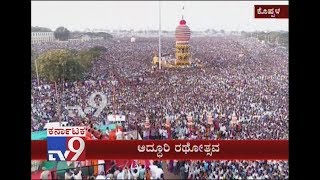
[38, 37]
[85, 38]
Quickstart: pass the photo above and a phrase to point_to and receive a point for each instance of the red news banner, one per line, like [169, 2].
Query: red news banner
[271, 11]
[176, 149]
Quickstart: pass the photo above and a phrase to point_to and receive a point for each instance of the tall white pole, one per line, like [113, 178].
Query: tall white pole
[159, 35]
[35, 62]
[38, 81]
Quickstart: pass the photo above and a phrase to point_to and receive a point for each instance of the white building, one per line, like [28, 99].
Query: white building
[38, 37]
[85, 38]
[88, 38]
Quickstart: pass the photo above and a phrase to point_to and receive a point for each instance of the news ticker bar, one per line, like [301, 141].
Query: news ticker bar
[177, 149]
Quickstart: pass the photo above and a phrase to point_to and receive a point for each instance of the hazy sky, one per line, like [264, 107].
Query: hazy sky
[141, 15]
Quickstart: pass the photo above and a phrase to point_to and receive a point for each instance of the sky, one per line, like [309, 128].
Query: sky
[144, 15]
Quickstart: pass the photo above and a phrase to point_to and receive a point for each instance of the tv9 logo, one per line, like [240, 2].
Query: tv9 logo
[66, 143]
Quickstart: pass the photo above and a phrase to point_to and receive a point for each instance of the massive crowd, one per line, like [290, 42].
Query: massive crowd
[231, 169]
[239, 77]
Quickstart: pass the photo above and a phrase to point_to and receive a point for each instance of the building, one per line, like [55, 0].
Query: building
[133, 39]
[38, 37]
[85, 38]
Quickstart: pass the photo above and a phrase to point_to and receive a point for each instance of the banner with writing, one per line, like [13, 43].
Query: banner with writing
[177, 149]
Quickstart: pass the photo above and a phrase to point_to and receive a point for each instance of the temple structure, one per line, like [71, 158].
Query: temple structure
[182, 52]
[182, 44]
[182, 49]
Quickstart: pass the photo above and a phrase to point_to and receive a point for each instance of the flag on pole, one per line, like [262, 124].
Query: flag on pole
[182, 10]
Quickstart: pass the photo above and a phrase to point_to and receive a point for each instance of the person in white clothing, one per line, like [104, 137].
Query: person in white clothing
[110, 176]
[134, 172]
[101, 166]
[165, 134]
[153, 171]
[126, 173]
[101, 176]
[159, 173]
[77, 174]
[120, 174]
[119, 134]
[68, 174]
[116, 172]
[45, 173]
[107, 131]
[126, 136]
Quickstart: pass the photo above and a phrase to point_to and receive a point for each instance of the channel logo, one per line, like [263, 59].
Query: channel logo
[66, 143]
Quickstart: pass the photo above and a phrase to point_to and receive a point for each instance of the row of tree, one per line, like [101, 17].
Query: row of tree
[278, 37]
[104, 35]
[65, 65]
[63, 34]
[60, 33]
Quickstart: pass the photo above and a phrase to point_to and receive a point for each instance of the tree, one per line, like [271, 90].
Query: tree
[57, 66]
[85, 59]
[100, 34]
[32, 62]
[213, 31]
[284, 38]
[76, 34]
[40, 29]
[62, 33]
[73, 70]
[98, 48]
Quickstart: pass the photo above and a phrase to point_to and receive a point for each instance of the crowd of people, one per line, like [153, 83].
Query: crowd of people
[239, 77]
[231, 169]
[136, 171]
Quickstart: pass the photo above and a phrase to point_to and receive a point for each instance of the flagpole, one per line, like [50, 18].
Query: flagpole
[159, 35]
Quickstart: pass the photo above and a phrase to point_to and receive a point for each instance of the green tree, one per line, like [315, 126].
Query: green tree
[40, 29]
[76, 34]
[98, 48]
[34, 56]
[57, 65]
[85, 59]
[100, 34]
[62, 33]
[32, 62]
[284, 39]
[73, 70]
